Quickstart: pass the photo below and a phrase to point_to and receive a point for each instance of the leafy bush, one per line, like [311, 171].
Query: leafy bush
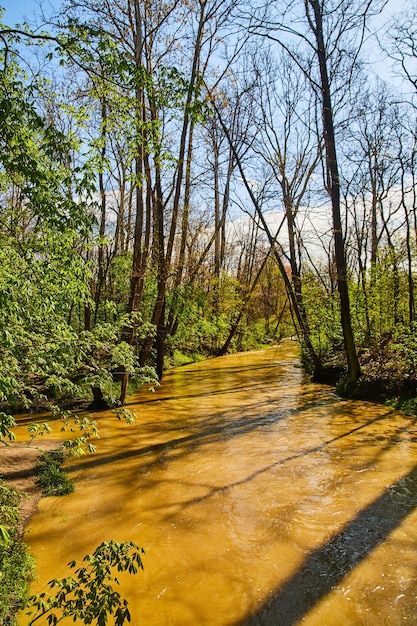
[50, 477]
[407, 405]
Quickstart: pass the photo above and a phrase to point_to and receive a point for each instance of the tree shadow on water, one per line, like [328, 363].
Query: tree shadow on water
[326, 566]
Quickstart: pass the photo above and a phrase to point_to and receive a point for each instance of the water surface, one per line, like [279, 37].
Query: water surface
[259, 498]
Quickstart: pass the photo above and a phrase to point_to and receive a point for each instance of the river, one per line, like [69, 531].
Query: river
[258, 497]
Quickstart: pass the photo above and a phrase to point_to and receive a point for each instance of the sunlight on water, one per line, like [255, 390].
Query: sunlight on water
[259, 499]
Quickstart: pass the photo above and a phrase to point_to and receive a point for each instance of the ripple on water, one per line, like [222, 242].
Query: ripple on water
[246, 484]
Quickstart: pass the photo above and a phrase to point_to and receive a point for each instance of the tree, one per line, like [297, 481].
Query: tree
[276, 250]
[47, 225]
[315, 14]
[372, 160]
[325, 45]
[287, 141]
[400, 45]
[407, 139]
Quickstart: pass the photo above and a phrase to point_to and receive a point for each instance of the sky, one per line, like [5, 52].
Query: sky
[17, 11]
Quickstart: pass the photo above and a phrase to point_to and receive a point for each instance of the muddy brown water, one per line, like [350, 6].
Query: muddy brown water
[259, 498]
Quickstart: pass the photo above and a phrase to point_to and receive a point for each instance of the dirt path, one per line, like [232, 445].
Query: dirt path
[17, 465]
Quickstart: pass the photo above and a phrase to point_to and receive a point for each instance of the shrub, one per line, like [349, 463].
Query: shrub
[50, 477]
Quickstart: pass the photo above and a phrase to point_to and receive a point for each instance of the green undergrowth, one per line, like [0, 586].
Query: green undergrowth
[50, 476]
[407, 405]
[388, 375]
[16, 566]
[180, 358]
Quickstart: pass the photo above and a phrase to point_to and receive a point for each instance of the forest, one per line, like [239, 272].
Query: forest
[182, 179]
[186, 178]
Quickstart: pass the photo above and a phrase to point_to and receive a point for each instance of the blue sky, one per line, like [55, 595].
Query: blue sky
[17, 11]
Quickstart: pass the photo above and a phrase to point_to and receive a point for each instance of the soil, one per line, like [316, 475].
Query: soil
[17, 469]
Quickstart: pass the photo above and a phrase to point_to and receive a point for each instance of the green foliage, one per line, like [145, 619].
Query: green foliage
[42, 355]
[125, 414]
[205, 316]
[119, 284]
[404, 347]
[46, 233]
[50, 477]
[89, 594]
[392, 361]
[38, 430]
[256, 334]
[74, 423]
[6, 423]
[101, 352]
[179, 358]
[407, 405]
[34, 154]
[321, 304]
[42, 273]
[16, 566]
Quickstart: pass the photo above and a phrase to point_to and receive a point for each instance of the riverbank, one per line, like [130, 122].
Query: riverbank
[17, 469]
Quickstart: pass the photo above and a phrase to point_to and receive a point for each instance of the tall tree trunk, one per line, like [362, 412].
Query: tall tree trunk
[334, 190]
[294, 263]
[101, 271]
[179, 271]
[164, 259]
[136, 280]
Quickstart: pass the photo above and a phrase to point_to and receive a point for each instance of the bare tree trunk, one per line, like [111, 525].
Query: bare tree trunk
[101, 270]
[165, 255]
[138, 265]
[334, 189]
[179, 271]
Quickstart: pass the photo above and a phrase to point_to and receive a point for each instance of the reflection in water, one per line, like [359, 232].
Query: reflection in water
[259, 499]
